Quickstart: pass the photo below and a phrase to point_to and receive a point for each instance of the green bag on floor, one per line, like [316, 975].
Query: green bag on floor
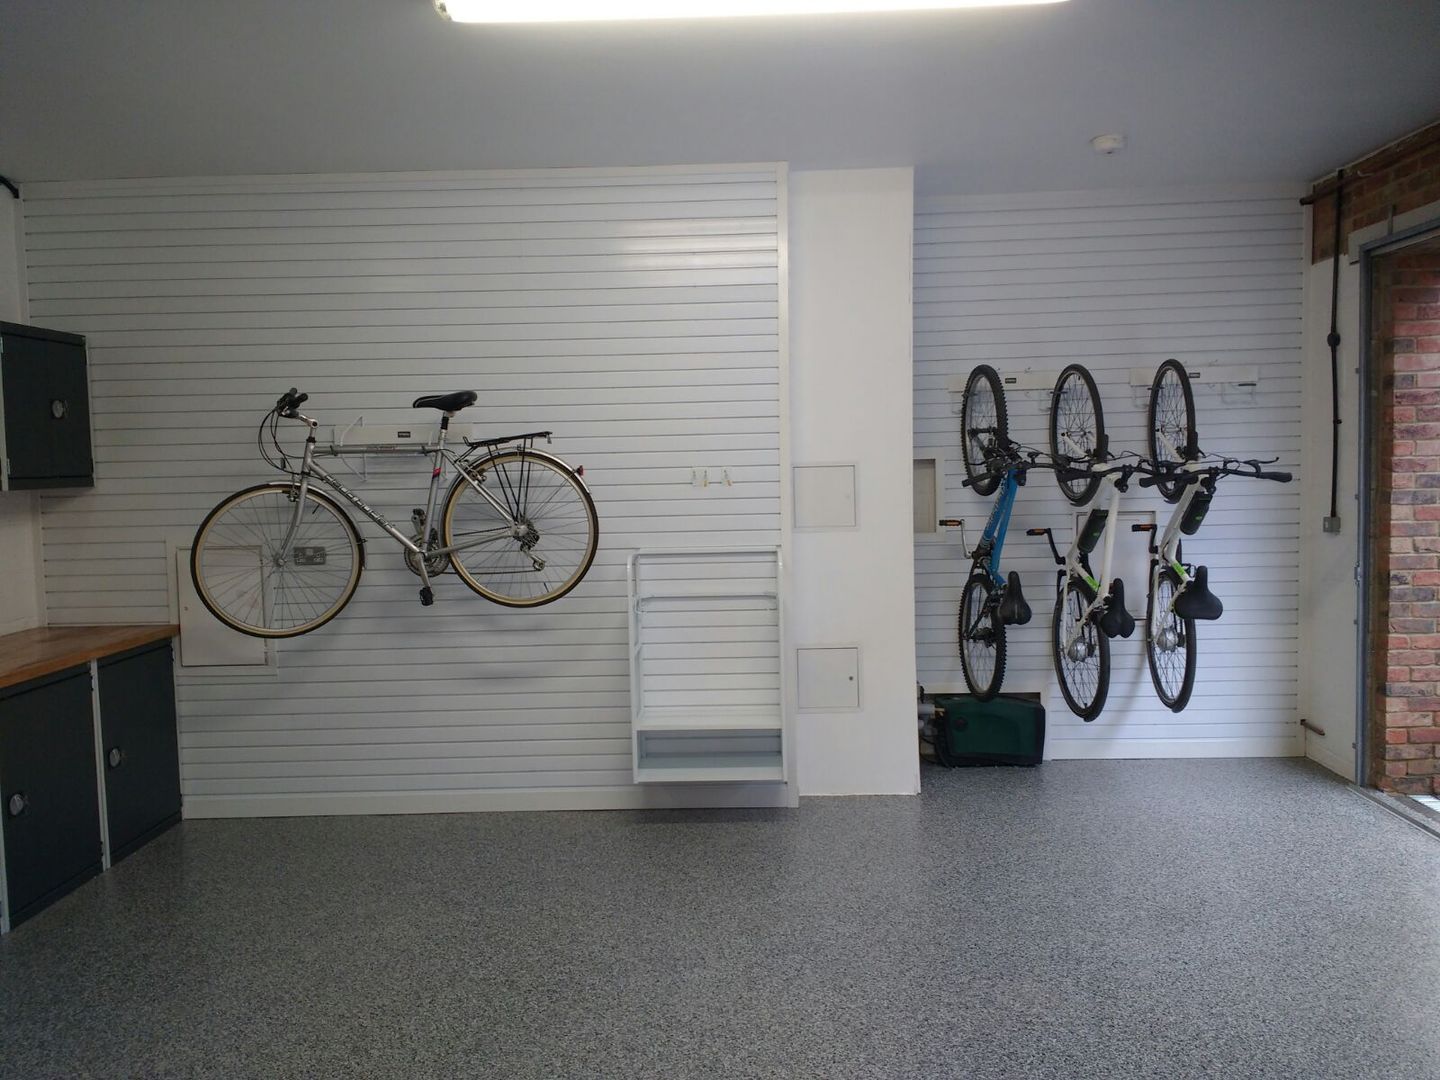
[1006, 730]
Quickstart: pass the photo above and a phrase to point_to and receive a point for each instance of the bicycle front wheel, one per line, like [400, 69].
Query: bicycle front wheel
[1081, 652]
[984, 427]
[1170, 644]
[1077, 430]
[249, 579]
[532, 539]
[1170, 427]
[982, 638]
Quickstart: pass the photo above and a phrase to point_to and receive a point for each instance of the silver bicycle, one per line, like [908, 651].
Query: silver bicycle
[518, 526]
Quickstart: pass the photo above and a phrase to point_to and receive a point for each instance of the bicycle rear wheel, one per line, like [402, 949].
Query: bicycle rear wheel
[983, 427]
[242, 580]
[1170, 645]
[1081, 652]
[1077, 430]
[536, 544]
[1170, 427]
[982, 638]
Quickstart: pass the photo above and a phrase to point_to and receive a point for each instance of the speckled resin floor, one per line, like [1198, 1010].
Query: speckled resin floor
[1087, 919]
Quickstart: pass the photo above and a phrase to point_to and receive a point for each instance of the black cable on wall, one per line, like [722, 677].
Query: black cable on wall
[1332, 523]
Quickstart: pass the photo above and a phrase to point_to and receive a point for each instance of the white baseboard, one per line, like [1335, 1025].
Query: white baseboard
[1091, 749]
[646, 797]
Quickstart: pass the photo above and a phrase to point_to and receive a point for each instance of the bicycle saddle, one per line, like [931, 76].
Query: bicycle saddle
[1117, 622]
[1197, 601]
[1014, 611]
[446, 402]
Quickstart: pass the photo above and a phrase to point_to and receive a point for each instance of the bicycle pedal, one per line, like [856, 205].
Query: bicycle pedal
[427, 596]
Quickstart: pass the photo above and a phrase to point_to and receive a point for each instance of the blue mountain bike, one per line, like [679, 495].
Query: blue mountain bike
[991, 600]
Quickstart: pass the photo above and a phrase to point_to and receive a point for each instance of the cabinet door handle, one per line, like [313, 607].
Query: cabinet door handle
[18, 804]
[115, 758]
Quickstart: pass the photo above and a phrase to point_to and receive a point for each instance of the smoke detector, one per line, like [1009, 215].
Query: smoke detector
[1108, 144]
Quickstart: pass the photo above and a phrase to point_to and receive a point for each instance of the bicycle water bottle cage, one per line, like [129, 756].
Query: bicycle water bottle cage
[1014, 611]
[1116, 622]
[1196, 601]
[1195, 512]
[1094, 526]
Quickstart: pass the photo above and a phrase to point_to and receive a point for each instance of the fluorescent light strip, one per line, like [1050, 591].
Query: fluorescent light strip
[542, 11]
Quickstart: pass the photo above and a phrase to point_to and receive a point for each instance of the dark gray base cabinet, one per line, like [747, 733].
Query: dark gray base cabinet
[140, 757]
[50, 779]
[51, 802]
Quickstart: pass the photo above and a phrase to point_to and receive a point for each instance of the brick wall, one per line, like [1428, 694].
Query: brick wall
[1403, 176]
[1405, 707]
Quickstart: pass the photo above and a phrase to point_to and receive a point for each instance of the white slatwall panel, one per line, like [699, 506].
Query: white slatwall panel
[1119, 281]
[635, 312]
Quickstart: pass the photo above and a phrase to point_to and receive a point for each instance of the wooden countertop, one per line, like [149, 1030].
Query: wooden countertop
[47, 649]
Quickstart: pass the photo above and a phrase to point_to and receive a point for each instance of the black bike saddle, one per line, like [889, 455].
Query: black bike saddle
[446, 402]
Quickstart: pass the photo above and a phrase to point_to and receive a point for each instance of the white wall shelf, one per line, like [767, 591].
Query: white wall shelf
[706, 685]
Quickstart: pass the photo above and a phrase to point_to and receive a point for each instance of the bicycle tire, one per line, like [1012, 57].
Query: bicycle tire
[1173, 685]
[984, 677]
[571, 531]
[1086, 700]
[1170, 396]
[239, 529]
[977, 418]
[1076, 408]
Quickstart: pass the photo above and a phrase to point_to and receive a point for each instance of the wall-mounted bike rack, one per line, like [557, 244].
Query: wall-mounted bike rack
[357, 442]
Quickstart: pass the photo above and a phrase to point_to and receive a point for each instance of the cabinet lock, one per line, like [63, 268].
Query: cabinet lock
[18, 804]
[115, 757]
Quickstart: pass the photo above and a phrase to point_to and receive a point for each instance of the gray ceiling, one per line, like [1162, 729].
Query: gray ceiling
[980, 101]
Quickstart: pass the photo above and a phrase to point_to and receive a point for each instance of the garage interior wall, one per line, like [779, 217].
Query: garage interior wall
[20, 595]
[635, 312]
[1120, 281]
[850, 322]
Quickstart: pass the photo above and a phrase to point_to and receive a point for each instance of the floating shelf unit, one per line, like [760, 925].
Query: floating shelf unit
[706, 678]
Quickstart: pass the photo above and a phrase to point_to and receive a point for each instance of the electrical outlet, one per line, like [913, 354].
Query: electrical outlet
[1331, 524]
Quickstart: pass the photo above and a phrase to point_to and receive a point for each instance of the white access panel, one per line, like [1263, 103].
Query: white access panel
[827, 678]
[825, 497]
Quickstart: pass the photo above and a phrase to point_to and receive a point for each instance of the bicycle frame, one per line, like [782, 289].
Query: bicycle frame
[439, 453]
[992, 538]
[1166, 549]
[1077, 562]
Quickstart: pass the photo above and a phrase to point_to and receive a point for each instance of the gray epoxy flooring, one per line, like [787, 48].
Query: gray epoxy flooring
[1245, 919]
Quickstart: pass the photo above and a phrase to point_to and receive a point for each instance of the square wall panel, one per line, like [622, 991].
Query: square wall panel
[825, 496]
[828, 678]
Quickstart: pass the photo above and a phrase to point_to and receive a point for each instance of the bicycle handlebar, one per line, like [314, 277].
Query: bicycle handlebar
[1228, 467]
[289, 401]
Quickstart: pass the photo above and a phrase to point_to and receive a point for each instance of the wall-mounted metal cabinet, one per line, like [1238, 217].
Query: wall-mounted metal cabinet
[44, 409]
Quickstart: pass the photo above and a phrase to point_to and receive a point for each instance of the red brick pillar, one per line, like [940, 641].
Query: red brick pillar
[1404, 731]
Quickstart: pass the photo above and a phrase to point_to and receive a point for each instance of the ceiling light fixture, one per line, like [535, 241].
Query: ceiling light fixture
[538, 11]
